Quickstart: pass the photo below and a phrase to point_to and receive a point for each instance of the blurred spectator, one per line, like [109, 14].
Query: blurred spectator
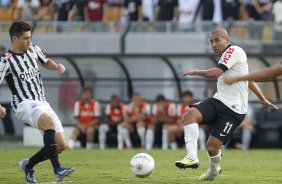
[258, 10]
[167, 10]
[114, 111]
[46, 11]
[87, 112]
[115, 11]
[163, 116]
[148, 10]
[137, 116]
[277, 13]
[27, 10]
[5, 101]
[247, 128]
[5, 3]
[68, 94]
[94, 10]
[187, 102]
[7, 10]
[134, 10]
[186, 14]
[230, 9]
[77, 12]
[62, 9]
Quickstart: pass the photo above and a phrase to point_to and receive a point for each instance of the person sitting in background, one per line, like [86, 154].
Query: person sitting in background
[137, 115]
[182, 108]
[5, 101]
[87, 113]
[163, 116]
[114, 112]
[247, 127]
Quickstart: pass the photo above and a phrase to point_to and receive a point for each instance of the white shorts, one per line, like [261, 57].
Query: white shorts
[29, 112]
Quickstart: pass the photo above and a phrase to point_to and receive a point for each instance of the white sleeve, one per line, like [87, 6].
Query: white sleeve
[147, 109]
[154, 109]
[35, 3]
[97, 109]
[172, 110]
[76, 109]
[108, 109]
[20, 4]
[230, 56]
[4, 65]
[41, 56]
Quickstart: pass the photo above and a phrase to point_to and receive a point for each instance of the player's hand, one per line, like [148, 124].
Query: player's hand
[60, 68]
[2, 112]
[230, 80]
[190, 72]
[269, 104]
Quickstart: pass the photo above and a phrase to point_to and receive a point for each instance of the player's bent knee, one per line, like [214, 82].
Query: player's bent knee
[191, 116]
[61, 147]
[45, 122]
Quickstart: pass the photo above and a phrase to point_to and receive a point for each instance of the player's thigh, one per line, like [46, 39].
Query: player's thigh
[207, 111]
[225, 126]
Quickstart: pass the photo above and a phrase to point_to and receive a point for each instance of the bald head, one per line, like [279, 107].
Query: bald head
[219, 40]
[220, 32]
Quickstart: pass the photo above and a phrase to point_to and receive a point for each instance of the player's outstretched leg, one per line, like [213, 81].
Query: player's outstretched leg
[191, 134]
[214, 168]
[28, 172]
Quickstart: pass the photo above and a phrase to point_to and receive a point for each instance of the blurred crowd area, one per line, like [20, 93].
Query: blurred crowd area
[184, 12]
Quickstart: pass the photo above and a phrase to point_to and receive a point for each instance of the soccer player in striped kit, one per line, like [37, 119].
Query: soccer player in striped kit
[19, 68]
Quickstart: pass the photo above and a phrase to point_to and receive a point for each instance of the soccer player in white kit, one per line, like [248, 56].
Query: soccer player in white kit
[225, 110]
[20, 69]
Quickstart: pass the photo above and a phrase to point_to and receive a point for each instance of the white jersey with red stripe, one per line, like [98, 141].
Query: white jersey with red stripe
[234, 62]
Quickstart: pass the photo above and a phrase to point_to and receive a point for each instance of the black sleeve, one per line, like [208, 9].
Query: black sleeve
[222, 67]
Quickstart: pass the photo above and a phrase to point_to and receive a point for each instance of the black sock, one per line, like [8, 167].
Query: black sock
[51, 148]
[40, 156]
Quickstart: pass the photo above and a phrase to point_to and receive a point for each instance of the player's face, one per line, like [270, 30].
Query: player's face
[115, 101]
[22, 42]
[86, 96]
[136, 99]
[218, 43]
[187, 100]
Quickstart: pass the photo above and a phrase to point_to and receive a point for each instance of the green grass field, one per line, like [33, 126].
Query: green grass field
[112, 166]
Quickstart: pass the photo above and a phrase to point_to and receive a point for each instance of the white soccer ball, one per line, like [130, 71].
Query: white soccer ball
[142, 165]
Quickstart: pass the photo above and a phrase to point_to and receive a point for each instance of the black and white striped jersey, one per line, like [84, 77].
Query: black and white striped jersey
[22, 74]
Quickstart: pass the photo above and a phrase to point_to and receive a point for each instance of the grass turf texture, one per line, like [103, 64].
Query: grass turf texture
[112, 166]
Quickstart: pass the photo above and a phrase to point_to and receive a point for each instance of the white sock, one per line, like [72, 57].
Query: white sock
[125, 136]
[89, 145]
[202, 139]
[119, 137]
[173, 145]
[103, 129]
[164, 139]
[149, 139]
[191, 135]
[246, 139]
[71, 144]
[141, 133]
[214, 161]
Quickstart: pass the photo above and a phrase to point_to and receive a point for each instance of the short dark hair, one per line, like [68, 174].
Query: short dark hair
[160, 98]
[187, 93]
[86, 88]
[18, 28]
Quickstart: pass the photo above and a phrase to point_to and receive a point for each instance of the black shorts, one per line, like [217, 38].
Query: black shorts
[224, 119]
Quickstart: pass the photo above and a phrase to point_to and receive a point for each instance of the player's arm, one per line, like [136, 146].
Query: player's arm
[210, 73]
[51, 65]
[261, 75]
[255, 89]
